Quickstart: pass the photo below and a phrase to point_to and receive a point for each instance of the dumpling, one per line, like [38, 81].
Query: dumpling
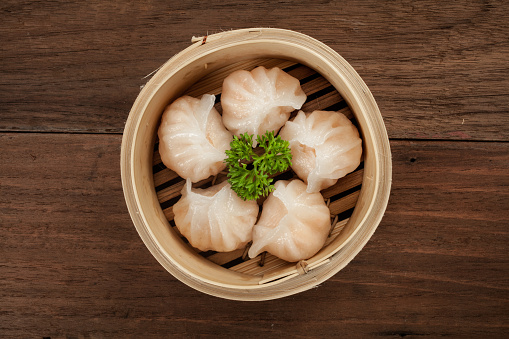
[192, 138]
[215, 218]
[294, 224]
[260, 100]
[325, 147]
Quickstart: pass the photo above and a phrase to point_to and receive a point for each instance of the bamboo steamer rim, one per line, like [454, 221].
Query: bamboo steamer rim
[180, 72]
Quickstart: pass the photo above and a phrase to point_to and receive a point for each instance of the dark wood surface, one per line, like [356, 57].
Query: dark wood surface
[71, 262]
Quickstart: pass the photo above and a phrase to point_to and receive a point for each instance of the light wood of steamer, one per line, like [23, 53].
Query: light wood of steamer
[178, 75]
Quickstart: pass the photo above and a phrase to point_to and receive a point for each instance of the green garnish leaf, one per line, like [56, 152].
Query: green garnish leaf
[249, 173]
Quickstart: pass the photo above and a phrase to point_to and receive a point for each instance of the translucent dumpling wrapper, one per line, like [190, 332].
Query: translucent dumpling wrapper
[294, 224]
[215, 218]
[325, 146]
[259, 101]
[192, 138]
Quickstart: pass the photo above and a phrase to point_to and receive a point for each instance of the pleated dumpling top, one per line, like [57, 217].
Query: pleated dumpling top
[294, 224]
[192, 138]
[215, 218]
[260, 100]
[325, 146]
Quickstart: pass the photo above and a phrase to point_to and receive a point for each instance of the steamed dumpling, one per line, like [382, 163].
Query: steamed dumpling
[260, 100]
[325, 147]
[192, 138]
[294, 224]
[215, 218]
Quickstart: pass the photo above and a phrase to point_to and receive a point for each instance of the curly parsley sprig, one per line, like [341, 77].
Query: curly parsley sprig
[249, 173]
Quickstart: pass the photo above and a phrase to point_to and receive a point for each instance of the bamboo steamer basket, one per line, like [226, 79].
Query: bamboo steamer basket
[357, 201]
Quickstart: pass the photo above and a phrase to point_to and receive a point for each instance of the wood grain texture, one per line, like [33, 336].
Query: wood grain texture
[438, 71]
[72, 265]
[71, 262]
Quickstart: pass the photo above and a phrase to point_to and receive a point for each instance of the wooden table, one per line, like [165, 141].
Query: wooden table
[71, 262]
